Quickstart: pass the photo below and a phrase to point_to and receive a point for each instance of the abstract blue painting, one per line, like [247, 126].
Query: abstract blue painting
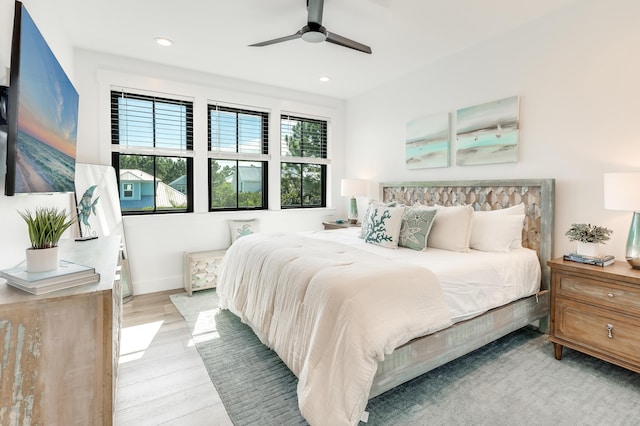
[488, 133]
[427, 142]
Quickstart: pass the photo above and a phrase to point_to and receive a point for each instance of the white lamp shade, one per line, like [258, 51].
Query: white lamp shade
[353, 187]
[622, 191]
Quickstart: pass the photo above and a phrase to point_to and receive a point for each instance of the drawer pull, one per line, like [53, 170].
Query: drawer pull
[610, 331]
[610, 295]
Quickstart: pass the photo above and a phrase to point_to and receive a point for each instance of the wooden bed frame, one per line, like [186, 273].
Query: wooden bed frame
[426, 353]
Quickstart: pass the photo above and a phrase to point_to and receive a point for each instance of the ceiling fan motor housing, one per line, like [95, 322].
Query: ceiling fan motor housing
[314, 33]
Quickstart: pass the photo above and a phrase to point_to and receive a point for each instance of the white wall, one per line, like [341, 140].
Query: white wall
[41, 13]
[13, 230]
[578, 77]
[156, 243]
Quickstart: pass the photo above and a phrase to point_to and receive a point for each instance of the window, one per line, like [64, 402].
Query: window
[127, 190]
[303, 172]
[152, 144]
[238, 158]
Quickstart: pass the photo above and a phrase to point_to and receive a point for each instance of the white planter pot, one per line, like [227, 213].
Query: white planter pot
[43, 259]
[588, 249]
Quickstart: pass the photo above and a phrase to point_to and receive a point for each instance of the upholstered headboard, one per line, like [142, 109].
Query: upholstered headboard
[536, 194]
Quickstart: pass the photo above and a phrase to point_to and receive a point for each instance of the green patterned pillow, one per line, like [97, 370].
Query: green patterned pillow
[416, 224]
[383, 225]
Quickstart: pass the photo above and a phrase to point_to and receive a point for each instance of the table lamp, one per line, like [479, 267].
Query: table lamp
[621, 192]
[353, 188]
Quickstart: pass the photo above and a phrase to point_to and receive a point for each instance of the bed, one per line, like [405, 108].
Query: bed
[353, 321]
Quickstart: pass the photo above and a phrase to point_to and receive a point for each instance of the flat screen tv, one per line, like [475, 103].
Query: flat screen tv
[42, 115]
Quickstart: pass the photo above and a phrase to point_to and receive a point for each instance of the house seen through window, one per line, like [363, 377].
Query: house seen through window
[152, 152]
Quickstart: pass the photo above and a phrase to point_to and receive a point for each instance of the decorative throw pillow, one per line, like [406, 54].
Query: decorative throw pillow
[416, 224]
[365, 218]
[518, 209]
[383, 225]
[240, 228]
[451, 228]
[494, 232]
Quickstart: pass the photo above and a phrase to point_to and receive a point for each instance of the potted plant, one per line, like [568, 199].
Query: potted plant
[45, 226]
[589, 237]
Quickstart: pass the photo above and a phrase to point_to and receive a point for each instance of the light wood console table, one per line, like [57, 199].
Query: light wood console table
[59, 351]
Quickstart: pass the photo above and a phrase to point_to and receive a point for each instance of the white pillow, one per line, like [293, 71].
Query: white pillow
[514, 210]
[451, 228]
[517, 209]
[495, 232]
[383, 225]
[240, 228]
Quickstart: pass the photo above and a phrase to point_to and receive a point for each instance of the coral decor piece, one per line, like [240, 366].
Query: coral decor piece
[587, 233]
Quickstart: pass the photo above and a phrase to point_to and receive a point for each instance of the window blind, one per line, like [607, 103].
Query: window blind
[151, 122]
[303, 138]
[238, 131]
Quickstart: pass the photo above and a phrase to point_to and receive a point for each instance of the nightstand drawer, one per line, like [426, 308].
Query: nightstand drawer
[598, 329]
[598, 292]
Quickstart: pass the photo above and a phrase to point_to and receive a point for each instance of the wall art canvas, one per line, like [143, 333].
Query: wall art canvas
[427, 143]
[488, 133]
[43, 115]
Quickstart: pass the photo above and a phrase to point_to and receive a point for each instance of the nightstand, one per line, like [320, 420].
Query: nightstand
[334, 225]
[201, 269]
[596, 310]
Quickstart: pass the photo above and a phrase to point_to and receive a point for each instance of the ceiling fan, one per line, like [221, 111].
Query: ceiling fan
[314, 32]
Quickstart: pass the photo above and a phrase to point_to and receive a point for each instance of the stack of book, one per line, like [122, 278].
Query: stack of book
[68, 274]
[599, 260]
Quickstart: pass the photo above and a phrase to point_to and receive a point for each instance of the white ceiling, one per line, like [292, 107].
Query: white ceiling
[213, 35]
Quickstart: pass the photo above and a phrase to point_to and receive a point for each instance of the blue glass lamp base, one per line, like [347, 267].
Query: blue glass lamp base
[633, 242]
[353, 211]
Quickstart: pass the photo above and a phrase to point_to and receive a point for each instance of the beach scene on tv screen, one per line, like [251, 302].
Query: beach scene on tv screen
[47, 118]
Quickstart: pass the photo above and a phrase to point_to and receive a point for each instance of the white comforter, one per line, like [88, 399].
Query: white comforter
[330, 312]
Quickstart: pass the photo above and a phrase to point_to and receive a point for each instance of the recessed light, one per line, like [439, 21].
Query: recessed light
[325, 78]
[163, 41]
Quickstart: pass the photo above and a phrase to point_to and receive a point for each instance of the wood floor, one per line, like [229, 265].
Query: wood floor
[161, 378]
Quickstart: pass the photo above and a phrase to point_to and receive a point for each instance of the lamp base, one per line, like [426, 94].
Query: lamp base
[633, 242]
[353, 211]
[634, 262]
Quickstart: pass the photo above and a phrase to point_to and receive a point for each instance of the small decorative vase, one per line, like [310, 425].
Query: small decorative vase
[588, 249]
[41, 260]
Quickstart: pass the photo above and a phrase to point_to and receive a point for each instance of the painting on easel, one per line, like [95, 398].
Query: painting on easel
[99, 214]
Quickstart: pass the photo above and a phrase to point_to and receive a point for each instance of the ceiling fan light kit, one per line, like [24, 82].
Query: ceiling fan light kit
[314, 32]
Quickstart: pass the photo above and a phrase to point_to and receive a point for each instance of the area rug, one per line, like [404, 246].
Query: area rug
[512, 381]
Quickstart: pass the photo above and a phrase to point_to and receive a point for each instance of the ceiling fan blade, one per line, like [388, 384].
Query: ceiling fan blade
[278, 40]
[314, 11]
[343, 41]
